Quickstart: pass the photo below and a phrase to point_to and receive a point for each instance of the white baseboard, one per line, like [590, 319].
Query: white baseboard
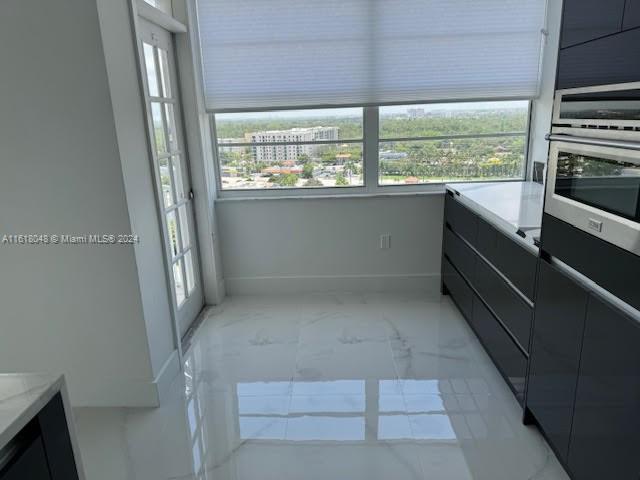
[427, 282]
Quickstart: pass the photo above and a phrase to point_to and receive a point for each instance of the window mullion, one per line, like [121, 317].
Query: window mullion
[370, 149]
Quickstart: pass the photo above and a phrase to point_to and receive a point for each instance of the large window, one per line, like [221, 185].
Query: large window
[406, 146]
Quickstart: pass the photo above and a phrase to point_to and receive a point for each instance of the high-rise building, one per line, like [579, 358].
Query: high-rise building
[280, 153]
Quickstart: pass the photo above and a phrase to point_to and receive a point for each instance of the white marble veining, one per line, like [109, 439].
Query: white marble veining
[325, 387]
[508, 205]
[22, 396]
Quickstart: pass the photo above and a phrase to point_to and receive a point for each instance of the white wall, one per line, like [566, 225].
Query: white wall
[543, 105]
[70, 309]
[294, 245]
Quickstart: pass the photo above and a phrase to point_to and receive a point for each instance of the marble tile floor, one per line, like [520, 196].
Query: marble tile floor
[353, 386]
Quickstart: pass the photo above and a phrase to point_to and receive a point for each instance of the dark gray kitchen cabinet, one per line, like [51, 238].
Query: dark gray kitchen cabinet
[631, 14]
[555, 354]
[608, 60]
[457, 287]
[460, 219]
[515, 263]
[486, 273]
[55, 434]
[505, 354]
[605, 439]
[585, 20]
[508, 306]
[29, 464]
[42, 450]
[460, 254]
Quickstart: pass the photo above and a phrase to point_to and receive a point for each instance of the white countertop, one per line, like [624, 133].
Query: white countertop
[510, 206]
[22, 396]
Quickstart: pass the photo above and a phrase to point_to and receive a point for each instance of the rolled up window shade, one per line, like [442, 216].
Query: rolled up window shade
[261, 54]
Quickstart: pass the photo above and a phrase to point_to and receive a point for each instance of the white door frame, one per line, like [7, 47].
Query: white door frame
[186, 312]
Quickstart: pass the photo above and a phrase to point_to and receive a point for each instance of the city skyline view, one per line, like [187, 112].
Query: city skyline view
[300, 159]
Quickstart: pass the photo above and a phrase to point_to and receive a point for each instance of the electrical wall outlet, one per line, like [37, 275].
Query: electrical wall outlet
[385, 241]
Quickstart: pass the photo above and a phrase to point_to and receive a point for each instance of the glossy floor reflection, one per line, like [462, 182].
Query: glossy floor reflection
[325, 387]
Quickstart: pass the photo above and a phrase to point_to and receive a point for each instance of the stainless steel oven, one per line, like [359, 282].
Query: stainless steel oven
[605, 111]
[594, 162]
[594, 185]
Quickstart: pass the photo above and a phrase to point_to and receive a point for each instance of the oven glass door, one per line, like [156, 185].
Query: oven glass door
[607, 182]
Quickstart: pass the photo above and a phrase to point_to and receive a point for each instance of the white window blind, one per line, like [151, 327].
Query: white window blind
[273, 53]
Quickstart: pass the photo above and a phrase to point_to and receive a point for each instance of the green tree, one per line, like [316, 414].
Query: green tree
[286, 180]
[307, 170]
[340, 180]
[304, 159]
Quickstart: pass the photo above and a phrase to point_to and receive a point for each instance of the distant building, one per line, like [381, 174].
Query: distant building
[281, 153]
[416, 113]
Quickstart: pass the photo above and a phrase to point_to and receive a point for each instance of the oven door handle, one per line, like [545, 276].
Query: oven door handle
[557, 137]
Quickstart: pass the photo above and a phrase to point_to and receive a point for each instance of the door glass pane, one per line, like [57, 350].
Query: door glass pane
[172, 228]
[178, 280]
[158, 127]
[171, 127]
[152, 75]
[184, 227]
[188, 260]
[164, 73]
[165, 180]
[177, 175]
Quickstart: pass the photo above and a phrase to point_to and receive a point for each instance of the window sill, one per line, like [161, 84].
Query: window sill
[440, 191]
[380, 192]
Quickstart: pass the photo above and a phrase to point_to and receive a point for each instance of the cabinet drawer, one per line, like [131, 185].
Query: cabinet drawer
[458, 288]
[459, 253]
[513, 260]
[507, 304]
[501, 348]
[461, 219]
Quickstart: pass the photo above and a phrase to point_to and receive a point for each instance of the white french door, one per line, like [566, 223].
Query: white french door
[173, 185]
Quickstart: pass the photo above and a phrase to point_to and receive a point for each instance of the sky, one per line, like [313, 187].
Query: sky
[352, 112]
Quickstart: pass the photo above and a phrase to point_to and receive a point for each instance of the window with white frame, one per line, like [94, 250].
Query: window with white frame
[314, 57]
[414, 144]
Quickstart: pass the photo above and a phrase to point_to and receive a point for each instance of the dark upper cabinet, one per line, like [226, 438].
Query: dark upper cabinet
[555, 353]
[605, 440]
[585, 20]
[604, 61]
[631, 14]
